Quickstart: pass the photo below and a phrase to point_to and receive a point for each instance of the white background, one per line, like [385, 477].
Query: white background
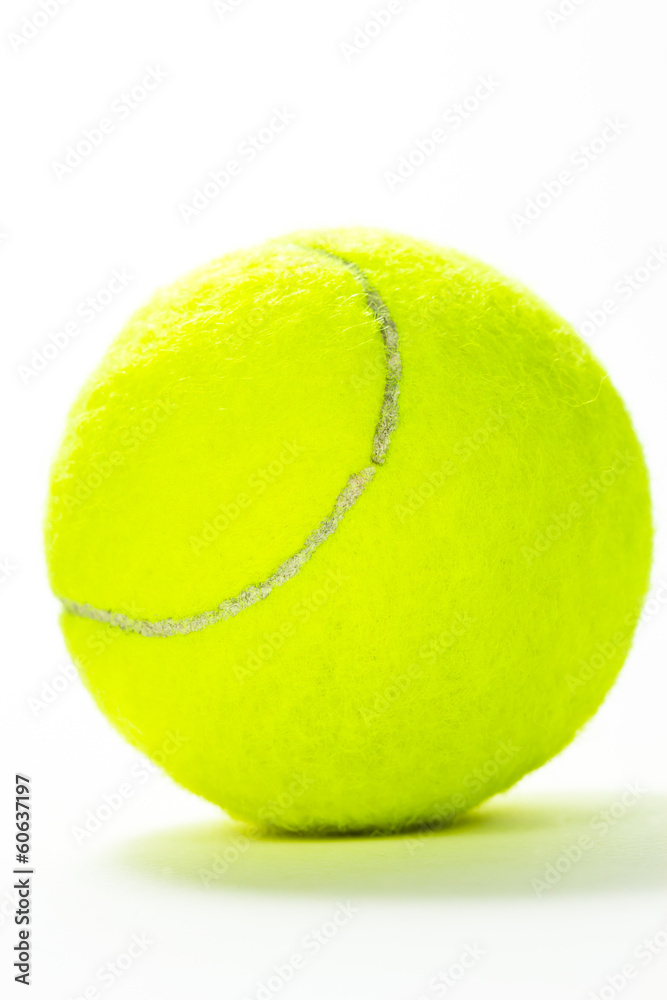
[355, 113]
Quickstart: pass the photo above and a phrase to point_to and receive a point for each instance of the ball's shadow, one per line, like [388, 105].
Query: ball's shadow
[521, 846]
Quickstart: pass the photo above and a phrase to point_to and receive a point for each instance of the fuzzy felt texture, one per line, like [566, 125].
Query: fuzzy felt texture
[469, 611]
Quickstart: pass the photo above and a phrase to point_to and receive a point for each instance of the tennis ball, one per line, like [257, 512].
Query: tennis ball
[350, 532]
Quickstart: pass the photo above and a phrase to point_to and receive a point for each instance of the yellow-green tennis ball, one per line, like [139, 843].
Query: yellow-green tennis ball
[350, 532]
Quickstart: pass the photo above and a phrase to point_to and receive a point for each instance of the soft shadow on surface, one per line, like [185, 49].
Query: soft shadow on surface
[569, 845]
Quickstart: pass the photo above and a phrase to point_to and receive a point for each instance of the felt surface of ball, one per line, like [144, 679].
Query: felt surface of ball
[351, 532]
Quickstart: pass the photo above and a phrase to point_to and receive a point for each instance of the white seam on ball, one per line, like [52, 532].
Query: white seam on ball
[353, 489]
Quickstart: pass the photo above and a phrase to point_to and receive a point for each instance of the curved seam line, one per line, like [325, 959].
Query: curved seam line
[346, 499]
